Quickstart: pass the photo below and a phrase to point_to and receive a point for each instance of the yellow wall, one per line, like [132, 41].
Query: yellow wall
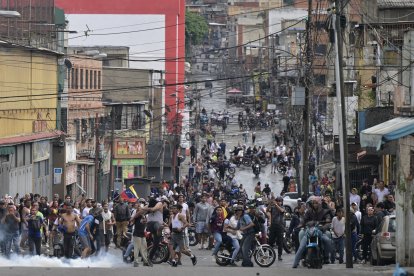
[23, 75]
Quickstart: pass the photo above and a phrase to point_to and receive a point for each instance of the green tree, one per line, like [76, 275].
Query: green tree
[196, 28]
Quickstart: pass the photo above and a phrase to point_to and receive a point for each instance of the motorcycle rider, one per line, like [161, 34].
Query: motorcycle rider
[321, 216]
[256, 167]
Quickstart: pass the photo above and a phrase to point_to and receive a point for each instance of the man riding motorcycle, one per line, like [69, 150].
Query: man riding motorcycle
[322, 217]
[256, 167]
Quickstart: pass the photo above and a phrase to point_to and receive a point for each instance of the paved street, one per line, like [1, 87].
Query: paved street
[233, 136]
[112, 264]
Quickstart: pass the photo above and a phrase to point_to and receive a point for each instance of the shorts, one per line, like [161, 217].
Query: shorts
[201, 227]
[177, 241]
[85, 241]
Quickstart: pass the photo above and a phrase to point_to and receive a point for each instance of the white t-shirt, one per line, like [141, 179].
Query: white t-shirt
[85, 211]
[380, 194]
[338, 226]
[232, 222]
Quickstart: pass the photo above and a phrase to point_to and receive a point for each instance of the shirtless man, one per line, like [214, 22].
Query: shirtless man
[69, 221]
[24, 216]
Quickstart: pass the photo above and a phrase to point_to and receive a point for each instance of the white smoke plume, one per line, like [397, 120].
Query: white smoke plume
[104, 260]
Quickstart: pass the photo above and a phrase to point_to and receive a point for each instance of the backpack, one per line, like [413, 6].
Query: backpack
[36, 224]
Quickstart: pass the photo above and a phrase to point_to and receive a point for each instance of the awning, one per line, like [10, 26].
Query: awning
[394, 129]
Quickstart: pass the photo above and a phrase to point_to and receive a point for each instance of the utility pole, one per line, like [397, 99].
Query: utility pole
[308, 95]
[343, 141]
[111, 167]
[97, 161]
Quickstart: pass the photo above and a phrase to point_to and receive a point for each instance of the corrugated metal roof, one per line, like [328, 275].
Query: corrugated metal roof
[395, 4]
[30, 138]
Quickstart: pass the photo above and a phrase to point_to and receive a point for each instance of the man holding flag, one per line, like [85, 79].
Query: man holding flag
[122, 214]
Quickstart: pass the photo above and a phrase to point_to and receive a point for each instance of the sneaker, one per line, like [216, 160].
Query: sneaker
[213, 258]
[169, 262]
[295, 266]
[179, 262]
[194, 260]
[174, 263]
[136, 264]
[280, 258]
[200, 247]
[363, 262]
[232, 263]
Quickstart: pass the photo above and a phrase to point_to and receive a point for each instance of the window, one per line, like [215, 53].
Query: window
[46, 167]
[320, 80]
[320, 25]
[84, 125]
[86, 79]
[94, 79]
[81, 79]
[72, 80]
[77, 129]
[90, 79]
[118, 172]
[320, 49]
[129, 117]
[99, 79]
[76, 78]
[69, 75]
[92, 126]
[137, 171]
[38, 169]
[4, 158]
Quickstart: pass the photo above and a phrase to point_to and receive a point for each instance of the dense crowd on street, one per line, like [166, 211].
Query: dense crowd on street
[208, 202]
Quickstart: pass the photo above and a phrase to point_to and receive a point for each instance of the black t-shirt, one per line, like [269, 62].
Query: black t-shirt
[10, 224]
[139, 230]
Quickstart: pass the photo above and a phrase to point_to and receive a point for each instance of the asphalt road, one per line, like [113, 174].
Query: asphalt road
[112, 264]
[233, 136]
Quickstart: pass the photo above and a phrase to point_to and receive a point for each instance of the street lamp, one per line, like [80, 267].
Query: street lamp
[10, 14]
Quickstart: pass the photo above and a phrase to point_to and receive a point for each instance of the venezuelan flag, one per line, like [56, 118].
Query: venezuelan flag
[129, 194]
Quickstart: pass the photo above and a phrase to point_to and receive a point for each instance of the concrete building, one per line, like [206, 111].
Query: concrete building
[154, 31]
[111, 56]
[82, 172]
[29, 89]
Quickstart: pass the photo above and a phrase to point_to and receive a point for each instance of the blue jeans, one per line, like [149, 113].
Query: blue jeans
[219, 239]
[326, 243]
[129, 249]
[236, 248]
[246, 246]
[354, 237]
[11, 238]
[337, 246]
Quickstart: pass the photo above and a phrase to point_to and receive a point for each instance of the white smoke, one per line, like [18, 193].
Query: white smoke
[104, 260]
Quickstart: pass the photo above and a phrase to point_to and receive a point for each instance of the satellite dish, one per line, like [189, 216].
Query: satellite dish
[148, 113]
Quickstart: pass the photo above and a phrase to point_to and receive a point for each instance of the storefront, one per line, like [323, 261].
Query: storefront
[129, 161]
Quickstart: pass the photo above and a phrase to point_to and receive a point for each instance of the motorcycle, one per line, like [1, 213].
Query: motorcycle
[314, 249]
[256, 169]
[263, 254]
[192, 236]
[162, 255]
[281, 167]
[58, 250]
